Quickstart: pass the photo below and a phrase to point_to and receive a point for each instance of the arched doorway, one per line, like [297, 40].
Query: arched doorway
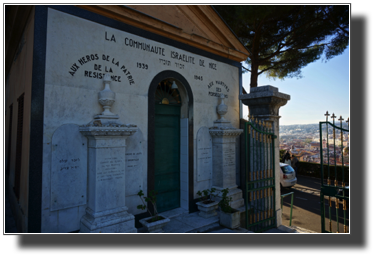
[167, 146]
[170, 141]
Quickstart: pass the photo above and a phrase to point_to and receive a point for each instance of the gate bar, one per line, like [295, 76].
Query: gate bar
[257, 143]
[291, 207]
[322, 194]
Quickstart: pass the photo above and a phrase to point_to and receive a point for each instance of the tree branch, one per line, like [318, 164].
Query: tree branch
[334, 23]
[293, 31]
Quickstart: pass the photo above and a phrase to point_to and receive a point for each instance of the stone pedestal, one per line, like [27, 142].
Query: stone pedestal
[223, 155]
[106, 211]
[224, 165]
[264, 103]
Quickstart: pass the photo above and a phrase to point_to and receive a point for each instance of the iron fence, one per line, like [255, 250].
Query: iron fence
[260, 175]
[336, 191]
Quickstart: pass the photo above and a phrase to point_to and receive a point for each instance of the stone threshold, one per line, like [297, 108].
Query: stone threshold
[183, 222]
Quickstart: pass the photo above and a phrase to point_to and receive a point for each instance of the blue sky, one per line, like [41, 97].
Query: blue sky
[323, 87]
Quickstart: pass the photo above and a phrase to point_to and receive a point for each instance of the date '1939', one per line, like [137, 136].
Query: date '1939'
[142, 66]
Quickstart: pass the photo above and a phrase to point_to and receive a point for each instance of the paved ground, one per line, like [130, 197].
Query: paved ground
[186, 223]
[307, 206]
[183, 223]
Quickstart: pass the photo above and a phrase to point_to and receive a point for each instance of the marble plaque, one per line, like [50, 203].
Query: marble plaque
[69, 168]
[134, 163]
[229, 170]
[106, 172]
[204, 155]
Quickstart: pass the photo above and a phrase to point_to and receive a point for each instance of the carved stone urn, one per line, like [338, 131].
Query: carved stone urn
[107, 97]
[222, 108]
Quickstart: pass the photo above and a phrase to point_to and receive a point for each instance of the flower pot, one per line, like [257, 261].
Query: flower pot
[207, 209]
[154, 227]
[230, 220]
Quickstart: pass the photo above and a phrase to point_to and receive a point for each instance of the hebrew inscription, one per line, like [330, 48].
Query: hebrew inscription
[69, 168]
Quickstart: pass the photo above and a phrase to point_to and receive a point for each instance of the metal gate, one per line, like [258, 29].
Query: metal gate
[260, 176]
[333, 188]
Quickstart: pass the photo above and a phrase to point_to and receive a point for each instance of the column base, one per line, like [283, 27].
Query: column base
[117, 220]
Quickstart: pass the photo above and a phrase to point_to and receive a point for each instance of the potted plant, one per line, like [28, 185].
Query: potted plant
[155, 222]
[207, 206]
[229, 217]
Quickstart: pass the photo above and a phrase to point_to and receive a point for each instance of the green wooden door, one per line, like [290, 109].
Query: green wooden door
[167, 160]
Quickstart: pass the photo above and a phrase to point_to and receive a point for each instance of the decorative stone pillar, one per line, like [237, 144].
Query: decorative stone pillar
[224, 164]
[106, 211]
[264, 103]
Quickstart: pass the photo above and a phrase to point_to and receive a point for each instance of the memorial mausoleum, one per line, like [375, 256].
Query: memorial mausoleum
[104, 101]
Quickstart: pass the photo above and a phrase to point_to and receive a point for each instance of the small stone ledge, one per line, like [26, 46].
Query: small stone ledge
[264, 91]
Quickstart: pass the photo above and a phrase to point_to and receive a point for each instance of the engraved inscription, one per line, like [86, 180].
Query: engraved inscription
[69, 164]
[98, 70]
[143, 66]
[132, 159]
[229, 157]
[110, 168]
[218, 87]
[165, 62]
[204, 155]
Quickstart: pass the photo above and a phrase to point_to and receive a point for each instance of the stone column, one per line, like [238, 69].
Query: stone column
[224, 164]
[264, 103]
[106, 211]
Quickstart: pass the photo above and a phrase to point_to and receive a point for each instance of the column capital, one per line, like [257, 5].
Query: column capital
[217, 132]
[264, 101]
[95, 129]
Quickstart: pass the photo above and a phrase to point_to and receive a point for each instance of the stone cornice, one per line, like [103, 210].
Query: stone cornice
[107, 130]
[264, 100]
[225, 44]
[263, 92]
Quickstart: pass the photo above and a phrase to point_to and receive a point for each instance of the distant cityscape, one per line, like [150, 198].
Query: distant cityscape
[303, 141]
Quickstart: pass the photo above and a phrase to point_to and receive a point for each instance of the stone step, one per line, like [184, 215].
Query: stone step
[237, 203]
[205, 229]
[236, 194]
[174, 213]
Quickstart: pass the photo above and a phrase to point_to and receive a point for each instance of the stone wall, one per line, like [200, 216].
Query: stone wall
[79, 53]
[18, 82]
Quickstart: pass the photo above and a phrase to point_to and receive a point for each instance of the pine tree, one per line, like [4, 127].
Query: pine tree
[283, 39]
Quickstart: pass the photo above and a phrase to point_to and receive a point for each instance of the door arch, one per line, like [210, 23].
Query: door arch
[171, 111]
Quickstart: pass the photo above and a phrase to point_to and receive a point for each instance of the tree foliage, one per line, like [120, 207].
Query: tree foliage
[283, 39]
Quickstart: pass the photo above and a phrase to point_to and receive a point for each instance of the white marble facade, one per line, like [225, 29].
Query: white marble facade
[78, 53]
